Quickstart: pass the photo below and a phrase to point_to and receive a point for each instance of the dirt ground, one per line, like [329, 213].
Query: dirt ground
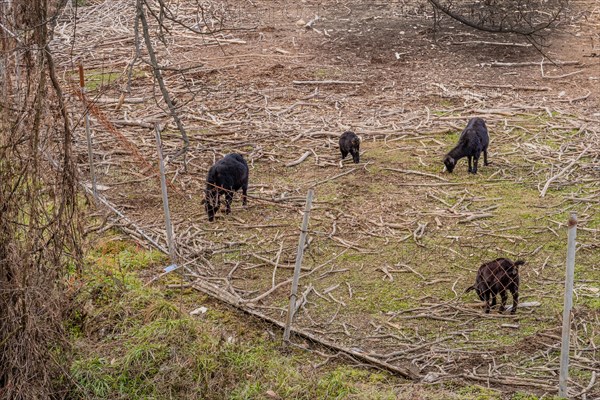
[393, 241]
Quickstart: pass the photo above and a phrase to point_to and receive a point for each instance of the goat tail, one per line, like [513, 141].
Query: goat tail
[519, 262]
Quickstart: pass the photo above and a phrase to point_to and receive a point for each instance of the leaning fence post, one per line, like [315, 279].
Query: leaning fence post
[163, 186]
[299, 255]
[88, 133]
[566, 327]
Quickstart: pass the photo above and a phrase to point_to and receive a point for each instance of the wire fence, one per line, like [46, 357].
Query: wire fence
[392, 244]
[388, 289]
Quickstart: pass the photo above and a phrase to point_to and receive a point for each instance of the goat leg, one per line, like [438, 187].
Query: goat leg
[475, 162]
[244, 195]
[493, 300]
[485, 159]
[503, 297]
[228, 199]
[515, 295]
[487, 302]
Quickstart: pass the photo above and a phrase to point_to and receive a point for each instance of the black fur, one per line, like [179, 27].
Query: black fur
[226, 176]
[350, 143]
[473, 140]
[496, 277]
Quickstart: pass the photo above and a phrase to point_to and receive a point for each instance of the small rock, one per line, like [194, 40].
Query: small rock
[199, 310]
[272, 394]
[301, 22]
[431, 377]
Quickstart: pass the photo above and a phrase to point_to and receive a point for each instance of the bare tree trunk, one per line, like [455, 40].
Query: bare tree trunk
[158, 75]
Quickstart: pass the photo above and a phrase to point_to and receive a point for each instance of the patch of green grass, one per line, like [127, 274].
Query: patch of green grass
[523, 396]
[476, 392]
[338, 384]
[161, 309]
[135, 343]
[97, 79]
[323, 73]
[144, 358]
[388, 299]
[592, 302]
[135, 260]
[491, 329]
[92, 375]
[527, 396]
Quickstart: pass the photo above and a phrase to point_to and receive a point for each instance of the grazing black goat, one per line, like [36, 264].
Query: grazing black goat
[226, 176]
[473, 140]
[496, 277]
[350, 143]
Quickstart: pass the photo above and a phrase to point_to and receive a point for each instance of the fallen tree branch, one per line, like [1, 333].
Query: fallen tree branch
[494, 43]
[298, 161]
[513, 87]
[410, 171]
[530, 63]
[335, 177]
[562, 172]
[328, 82]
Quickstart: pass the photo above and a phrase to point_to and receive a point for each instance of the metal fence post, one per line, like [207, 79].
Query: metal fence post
[163, 185]
[566, 327]
[299, 255]
[88, 134]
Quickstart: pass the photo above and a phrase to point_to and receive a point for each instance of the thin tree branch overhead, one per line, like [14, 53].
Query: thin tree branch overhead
[519, 17]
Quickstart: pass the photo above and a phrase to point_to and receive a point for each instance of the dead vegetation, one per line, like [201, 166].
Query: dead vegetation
[393, 243]
[39, 224]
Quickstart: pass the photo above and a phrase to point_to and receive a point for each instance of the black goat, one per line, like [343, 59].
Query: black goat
[350, 143]
[226, 176]
[496, 277]
[473, 140]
